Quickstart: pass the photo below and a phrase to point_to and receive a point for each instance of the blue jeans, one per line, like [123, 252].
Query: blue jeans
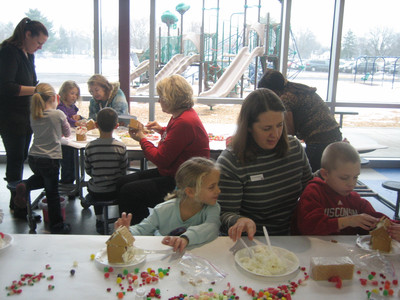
[45, 175]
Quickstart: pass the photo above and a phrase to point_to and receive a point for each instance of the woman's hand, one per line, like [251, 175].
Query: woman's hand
[242, 225]
[76, 117]
[125, 220]
[136, 134]
[394, 231]
[178, 243]
[154, 126]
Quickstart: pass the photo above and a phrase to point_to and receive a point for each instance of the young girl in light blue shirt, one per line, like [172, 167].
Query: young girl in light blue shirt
[191, 216]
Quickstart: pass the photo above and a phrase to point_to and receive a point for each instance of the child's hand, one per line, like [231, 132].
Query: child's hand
[394, 231]
[76, 117]
[363, 221]
[175, 241]
[125, 220]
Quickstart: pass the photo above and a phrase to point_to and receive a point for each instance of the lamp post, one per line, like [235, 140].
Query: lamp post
[181, 9]
[169, 19]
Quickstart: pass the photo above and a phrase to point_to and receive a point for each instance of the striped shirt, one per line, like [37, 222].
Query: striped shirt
[106, 160]
[265, 190]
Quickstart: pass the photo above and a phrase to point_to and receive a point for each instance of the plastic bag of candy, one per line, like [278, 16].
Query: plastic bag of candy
[197, 270]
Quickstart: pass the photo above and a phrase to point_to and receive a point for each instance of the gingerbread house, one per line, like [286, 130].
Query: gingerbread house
[380, 239]
[118, 244]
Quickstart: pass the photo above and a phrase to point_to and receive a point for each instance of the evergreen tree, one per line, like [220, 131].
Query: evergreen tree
[349, 45]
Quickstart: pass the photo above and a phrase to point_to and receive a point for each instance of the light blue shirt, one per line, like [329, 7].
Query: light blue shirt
[201, 228]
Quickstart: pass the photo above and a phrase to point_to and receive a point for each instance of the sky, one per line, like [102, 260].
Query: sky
[314, 15]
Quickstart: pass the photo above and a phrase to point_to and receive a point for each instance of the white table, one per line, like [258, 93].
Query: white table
[31, 254]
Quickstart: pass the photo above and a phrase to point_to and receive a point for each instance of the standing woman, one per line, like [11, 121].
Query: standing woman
[263, 171]
[105, 94]
[307, 115]
[17, 85]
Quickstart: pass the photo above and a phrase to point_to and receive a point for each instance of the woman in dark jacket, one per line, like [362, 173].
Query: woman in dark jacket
[17, 85]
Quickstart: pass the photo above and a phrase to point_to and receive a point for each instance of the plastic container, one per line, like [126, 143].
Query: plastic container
[43, 206]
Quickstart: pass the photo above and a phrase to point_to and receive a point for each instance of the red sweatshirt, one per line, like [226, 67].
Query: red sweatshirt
[320, 207]
[183, 138]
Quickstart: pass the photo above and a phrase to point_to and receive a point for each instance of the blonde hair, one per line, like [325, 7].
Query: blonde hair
[338, 152]
[191, 174]
[176, 92]
[43, 92]
[66, 87]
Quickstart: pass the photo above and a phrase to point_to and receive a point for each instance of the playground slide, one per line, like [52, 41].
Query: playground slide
[140, 69]
[177, 65]
[233, 73]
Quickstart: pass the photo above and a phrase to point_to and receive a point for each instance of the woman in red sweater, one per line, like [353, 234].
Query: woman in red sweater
[184, 137]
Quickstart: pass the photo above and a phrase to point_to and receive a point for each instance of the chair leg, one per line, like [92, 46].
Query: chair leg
[105, 217]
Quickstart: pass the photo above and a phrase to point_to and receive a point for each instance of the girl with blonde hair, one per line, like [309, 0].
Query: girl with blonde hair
[48, 125]
[191, 215]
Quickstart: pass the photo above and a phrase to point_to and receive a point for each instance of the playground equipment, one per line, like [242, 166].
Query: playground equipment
[177, 65]
[232, 74]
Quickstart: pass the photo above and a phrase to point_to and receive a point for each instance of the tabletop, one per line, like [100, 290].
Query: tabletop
[56, 255]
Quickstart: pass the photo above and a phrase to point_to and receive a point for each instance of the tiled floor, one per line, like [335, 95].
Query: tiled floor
[83, 220]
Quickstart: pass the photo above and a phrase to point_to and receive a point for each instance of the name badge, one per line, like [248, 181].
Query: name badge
[257, 177]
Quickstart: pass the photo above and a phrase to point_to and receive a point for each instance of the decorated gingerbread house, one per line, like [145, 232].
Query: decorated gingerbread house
[380, 239]
[120, 242]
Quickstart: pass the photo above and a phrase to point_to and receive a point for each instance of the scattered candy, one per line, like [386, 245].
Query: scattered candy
[72, 272]
[75, 264]
[48, 267]
[92, 256]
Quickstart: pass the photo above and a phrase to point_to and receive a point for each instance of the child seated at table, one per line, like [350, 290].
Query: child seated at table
[106, 160]
[190, 215]
[330, 206]
[69, 94]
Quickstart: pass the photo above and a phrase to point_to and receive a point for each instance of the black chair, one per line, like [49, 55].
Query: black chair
[29, 206]
[394, 186]
[88, 201]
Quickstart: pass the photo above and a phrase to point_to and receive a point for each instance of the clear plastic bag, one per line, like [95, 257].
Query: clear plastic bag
[197, 270]
[372, 261]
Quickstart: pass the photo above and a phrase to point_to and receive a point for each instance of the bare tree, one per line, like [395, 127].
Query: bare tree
[380, 41]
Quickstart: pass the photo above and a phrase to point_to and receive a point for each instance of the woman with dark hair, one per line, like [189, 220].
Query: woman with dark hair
[263, 170]
[307, 115]
[17, 84]
[184, 137]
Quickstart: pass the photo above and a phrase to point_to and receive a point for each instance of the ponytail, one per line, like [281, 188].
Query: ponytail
[43, 93]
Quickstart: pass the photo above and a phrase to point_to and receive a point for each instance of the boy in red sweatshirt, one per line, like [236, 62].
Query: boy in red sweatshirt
[330, 206]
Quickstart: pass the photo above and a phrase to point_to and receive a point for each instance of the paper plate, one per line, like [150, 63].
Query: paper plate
[364, 243]
[8, 239]
[101, 260]
[290, 260]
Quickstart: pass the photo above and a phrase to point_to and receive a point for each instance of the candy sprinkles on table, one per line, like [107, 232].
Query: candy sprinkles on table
[28, 279]
[378, 285]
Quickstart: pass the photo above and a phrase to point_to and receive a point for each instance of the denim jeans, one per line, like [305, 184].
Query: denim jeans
[45, 175]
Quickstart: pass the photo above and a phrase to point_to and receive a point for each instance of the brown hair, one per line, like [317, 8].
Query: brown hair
[100, 80]
[43, 93]
[338, 152]
[107, 119]
[26, 24]
[66, 87]
[176, 92]
[256, 103]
